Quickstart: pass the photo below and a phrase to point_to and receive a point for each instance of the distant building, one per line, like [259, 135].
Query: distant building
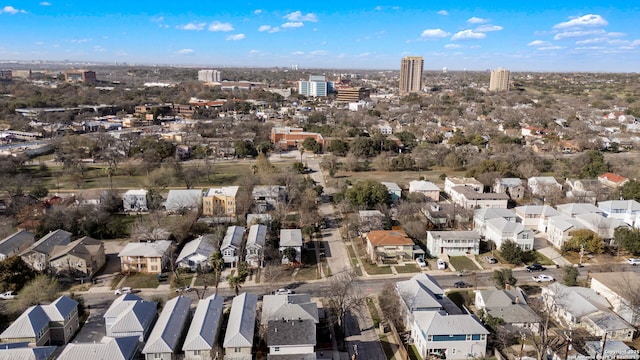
[612, 180]
[6, 74]
[286, 138]
[85, 76]
[352, 94]
[83, 257]
[499, 80]
[514, 187]
[395, 192]
[135, 200]
[148, 257]
[411, 68]
[453, 243]
[15, 243]
[316, 86]
[427, 188]
[209, 76]
[220, 201]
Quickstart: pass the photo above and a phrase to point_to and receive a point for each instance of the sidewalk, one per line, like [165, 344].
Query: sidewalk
[543, 247]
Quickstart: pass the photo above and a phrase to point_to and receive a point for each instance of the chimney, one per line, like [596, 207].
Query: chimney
[517, 300]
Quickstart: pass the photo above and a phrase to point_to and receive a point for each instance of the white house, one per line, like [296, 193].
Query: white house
[267, 197]
[129, 315]
[165, 341]
[426, 188]
[481, 216]
[395, 192]
[513, 187]
[559, 229]
[448, 336]
[196, 253]
[181, 200]
[573, 209]
[135, 200]
[536, 216]
[238, 339]
[291, 239]
[453, 243]
[500, 230]
[621, 289]
[467, 198]
[451, 182]
[625, 210]
[254, 248]
[543, 185]
[602, 226]
[231, 243]
[204, 329]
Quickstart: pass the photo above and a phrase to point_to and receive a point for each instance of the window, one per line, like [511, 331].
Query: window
[276, 349]
[237, 349]
[154, 268]
[196, 352]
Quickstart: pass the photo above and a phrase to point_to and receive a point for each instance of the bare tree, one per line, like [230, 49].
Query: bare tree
[344, 296]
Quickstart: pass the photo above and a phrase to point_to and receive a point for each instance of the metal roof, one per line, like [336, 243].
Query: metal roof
[120, 348]
[288, 307]
[233, 237]
[205, 326]
[201, 245]
[60, 308]
[242, 317]
[168, 330]
[146, 249]
[131, 314]
[290, 237]
[26, 353]
[436, 323]
[28, 324]
[46, 244]
[257, 235]
[13, 241]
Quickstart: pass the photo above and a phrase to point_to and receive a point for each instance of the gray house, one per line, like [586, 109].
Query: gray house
[238, 340]
[15, 243]
[124, 348]
[129, 315]
[23, 351]
[205, 329]
[267, 197]
[37, 255]
[231, 245]
[196, 252]
[181, 200]
[168, 333]
[254, 249]
[291, 239]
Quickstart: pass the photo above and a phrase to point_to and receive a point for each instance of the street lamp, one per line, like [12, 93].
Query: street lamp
[581, 254]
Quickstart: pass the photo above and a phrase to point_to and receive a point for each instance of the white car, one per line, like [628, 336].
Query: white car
[633, 261]
[124, 290]
[421, 262]
[441, 264]
[543, 278]
[283, 291]
[8, 295]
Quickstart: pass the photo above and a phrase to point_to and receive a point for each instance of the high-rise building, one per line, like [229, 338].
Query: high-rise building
[411, 74]
[209, 75]
[86, 76]
[316, 86]
[499, 80]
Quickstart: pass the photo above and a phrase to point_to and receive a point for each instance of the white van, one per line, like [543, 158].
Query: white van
[441, 264]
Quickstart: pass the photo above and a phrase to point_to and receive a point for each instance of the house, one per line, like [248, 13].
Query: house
[168, 332]
[148, 257]
[584, 190]
[543, 185]
[510, 306]
[267, 197]
[22, 351]
[625, 210]
[288, 307]
[621, 290]
[560, 229]
[204, 329]
[122, 348]
[83, 257]
[389, 245]
[254, 249]
[287, 339]
[582, 307]
[220, 202]
[573, 209]
[420, 293]
[612, 180]
[481, 216]
[51, 324]
[536, 216]
[135, 200]
[395, 192]
[500, 230]
[371, 220]
[602, 226]
[264, 219]
[443, 215]
[453, 243]
[513, 187]
[180, 201]
[231, 244]
[447, 336]
[427, 188]
[286, 138]
[451, 182]
[15, 243]
[467, 198]
[291, 239]
[238, 339]
[37, 255]
[196, 253]
[129, 315]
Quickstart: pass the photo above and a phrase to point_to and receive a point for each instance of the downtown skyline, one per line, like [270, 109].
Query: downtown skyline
[579, 36]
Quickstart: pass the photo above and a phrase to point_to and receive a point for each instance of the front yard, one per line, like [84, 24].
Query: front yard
[141, 281]
[462, 263]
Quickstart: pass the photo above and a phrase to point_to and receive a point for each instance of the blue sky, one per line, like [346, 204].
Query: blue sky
[473, 35]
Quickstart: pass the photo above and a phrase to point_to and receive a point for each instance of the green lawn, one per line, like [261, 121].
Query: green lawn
[141, 281]
[407, 269]
[413, 353]
[374, 312]
[462, 262]
[354, 260]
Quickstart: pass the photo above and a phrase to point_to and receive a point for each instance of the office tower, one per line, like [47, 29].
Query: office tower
[209, 76]
[499, 80]
[411, 74]
[316, 86]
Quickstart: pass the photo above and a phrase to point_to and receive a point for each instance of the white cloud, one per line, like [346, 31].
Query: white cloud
[45, 3]
[192, 26]
[292, 24]
[477, 20]
[80, 41]
[318, 52]
[453, 46]
[585, 20]
[264, 28]
[616, 34]
[539, 43]
[378, 8]
[298, 16]
[297, 53]
[157, 19]
[488, 28]
[553, 47]
[578, 33]
[219, 26]
[443, 13]
[236, 37]
[98, 48]
[364, 54]
[592, 41]
[186, 51]
[257, 11]
[434, 34]
[11, 10]
[39, 43]
[467, 34]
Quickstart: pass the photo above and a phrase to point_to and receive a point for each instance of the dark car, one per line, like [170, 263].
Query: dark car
[461, 285]
[535, 267]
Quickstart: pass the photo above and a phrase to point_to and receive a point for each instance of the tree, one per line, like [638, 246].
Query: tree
[628, 239]
[511, 252]
[344, 296]
[14, 273]
[630, 190]
[244, 148]
[368, 193]
[42, 289]
[290, 253]
[570, 275]
[235, 282]
[503, 278]
[338, 147]
[310, 144]
[217, 264]
[391, 306]
[583, 239]
[595, 165]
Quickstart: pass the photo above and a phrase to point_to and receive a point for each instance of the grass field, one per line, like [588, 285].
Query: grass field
[407, 269]
[462, 262]
[402, 178]
[141, 281]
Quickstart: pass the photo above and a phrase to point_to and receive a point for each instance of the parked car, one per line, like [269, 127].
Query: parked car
[420, 261]
[283, 291]
[441, 264]
[535, 267]
[184, 289]
[543, 278]
[461, 285]
[123, 290]
[491, 260]
[634, 261]
[464, 272]
[8, 295]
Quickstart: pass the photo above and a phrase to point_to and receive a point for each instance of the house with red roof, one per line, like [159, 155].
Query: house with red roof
[612, 180]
